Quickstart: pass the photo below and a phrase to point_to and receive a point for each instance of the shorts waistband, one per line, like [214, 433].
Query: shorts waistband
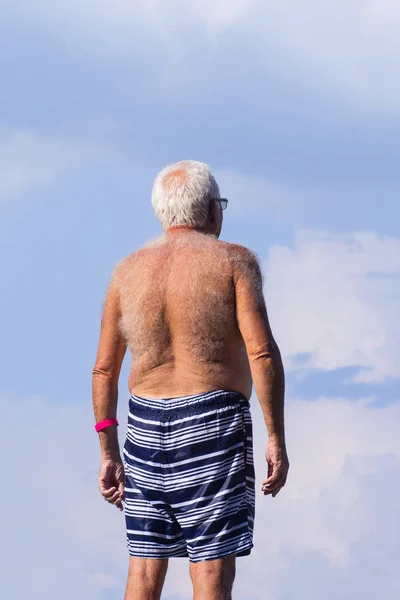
[214, 399]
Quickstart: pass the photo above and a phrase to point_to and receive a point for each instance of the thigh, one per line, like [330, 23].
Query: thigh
[213, 578]
[146, 578]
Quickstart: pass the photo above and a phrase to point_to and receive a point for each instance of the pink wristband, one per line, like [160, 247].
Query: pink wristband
[106, 423]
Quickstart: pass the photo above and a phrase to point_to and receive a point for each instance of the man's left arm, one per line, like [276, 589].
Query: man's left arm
[110, 355]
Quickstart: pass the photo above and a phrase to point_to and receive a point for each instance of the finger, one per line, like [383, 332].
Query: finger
[108, 492]
[275, 488]
[114, 498]
[119, 506]
[274, 483]
[271, 480]
[277, 491]
[279, 470]
[276, 474]
[272, 492]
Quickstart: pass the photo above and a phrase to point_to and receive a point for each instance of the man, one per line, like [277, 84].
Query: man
[191, 310]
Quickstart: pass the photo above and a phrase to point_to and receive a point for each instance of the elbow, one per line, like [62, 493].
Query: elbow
[102, 373]
[261, 355]
[264, 353]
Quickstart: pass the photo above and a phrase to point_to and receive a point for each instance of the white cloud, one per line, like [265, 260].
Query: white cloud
[352, 46]
[27, 160]
[55, 513]
[333, 446]
[335, 298]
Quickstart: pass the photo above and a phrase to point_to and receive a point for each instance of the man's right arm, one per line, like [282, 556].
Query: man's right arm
[265, 361]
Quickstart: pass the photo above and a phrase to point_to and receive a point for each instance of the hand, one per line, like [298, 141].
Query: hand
[278, 466]
[112, 481]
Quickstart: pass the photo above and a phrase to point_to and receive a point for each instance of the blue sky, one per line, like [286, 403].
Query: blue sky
[296, 108]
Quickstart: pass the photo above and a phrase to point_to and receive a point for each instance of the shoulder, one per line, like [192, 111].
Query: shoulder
[244, 261]
[240, 252]
[121, 268]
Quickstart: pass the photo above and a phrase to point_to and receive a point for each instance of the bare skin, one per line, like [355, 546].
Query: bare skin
[191, 310]
[146, 578]
[213, 579]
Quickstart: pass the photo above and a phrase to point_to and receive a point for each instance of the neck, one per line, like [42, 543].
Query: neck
[177, 228]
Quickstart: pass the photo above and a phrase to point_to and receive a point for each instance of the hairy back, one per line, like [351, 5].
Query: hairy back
[178, 302]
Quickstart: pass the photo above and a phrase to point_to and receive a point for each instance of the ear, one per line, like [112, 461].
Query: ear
[212, 212]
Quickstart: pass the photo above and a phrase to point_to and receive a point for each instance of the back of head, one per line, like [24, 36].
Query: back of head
[182, 193]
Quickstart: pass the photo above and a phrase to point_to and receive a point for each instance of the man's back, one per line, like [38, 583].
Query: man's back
[178, 315]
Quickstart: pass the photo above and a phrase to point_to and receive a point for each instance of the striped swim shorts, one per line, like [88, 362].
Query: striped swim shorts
[189, 476]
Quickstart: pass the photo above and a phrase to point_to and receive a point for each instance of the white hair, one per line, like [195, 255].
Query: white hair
[182, 193]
